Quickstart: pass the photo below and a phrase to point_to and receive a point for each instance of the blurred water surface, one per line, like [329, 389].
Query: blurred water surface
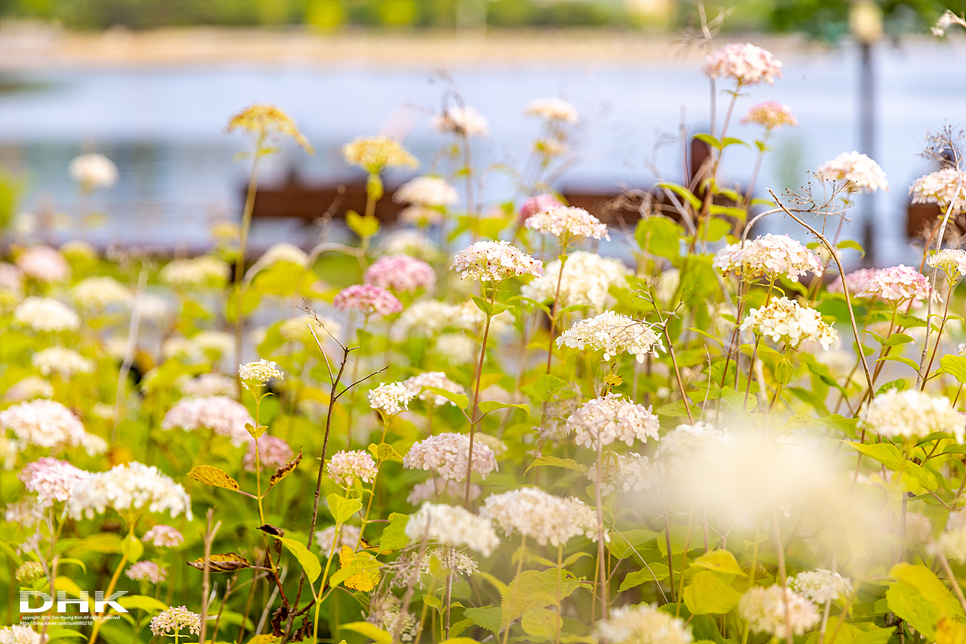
[164, 127]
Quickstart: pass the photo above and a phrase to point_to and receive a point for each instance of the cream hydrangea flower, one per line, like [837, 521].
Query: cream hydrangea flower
[565, 222]
[495, 261]
[859, 172]
[611, 418]
[764, 610]
[256, 374]
[390, 398]
[950, 261]
[453, 526]
[45, 314]
[612, 333]
[944, 187]
[642, 624]
[784, 320]
[770, 256]
[912, 414]
[376, 153]
[553, 109]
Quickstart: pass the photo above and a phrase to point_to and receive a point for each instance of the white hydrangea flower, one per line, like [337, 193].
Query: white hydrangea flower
[100, 292]
[642, 624]
[93, 171]
[345, 467]
[784, 320]
[950, 261]
[495, 261]
[220, 414]
[427, 191]
[256, 374]
[29, 388]
[770, 256]
[564, 222]
[131, 486]
[626, 472]
[553, 109]
[587, 280]
[858, 171]
[453, 526]
[684, 442]
[390, 398]
[462, 120]
[764, 610]
[912, 414]
[604, 420]
[17, 634]
[284, 252]
[45, 314]
[456, 348]
[196, 273]
[434, 489]
[952, 542]
[448, 456]
[612, 333]
[541, 516]
[814, 585]
[47, 424]
[62, 361]
[944, 187]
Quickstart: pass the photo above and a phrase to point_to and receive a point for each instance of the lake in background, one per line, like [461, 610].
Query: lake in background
[164, 127]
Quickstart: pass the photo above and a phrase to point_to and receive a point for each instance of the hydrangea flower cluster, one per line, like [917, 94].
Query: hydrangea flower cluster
[196, 273]
[29, 388]
[952, 542]
[163, 536]
[259, 373]
[898, 284]
[402, 274]
[495, 261]
[858, 282]
[626, 472]
[147, 571]
[345, 468]
[263, 122]
[771, 115]
[131, 486]
[538, 203]
[612, 333]
[565, 222]
[273, 452]
[367, 299]
[18, 634]
[93, 171]
[684, 442]
[944, 187]
[376, 153]
[744, 63]
[174, 620]
[555, 110]
[100, 292]
[45, 314]
[49, 425]
[950, 261]
[815, 585]
[784, 320]
[385, 612]
[390, 398]
[642, 624]
[541, 516]
[43, 264]
[611, 418]
[220, 414]
[456, 348]
[430, 192]
[62, 361]
[764, 610]
[436, 379]
[912, 414]
[283, 252]
[461, 120]
[770, 256]
[448, 456]
[858, 171]
[51, 479]
[587, 280]
[453, 526]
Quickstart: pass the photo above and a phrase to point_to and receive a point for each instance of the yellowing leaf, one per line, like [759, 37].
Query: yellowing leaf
[708, 594]
[950, 632]
[719, 561]
[213, 476]
[364, 580]
[228, 562]
[285, 470]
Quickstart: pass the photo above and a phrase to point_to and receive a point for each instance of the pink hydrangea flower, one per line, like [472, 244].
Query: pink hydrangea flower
[771, 115]
[538, 203]
[147, 571]
[368, 299]
[401, 273]
[899, 284]
[163, 536]
[745, 63]
[51, 479]
[272, 453]
[495, 261]
[858, 282]
[44, 264]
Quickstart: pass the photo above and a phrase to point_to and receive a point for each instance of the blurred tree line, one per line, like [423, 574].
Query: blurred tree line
[823, 19]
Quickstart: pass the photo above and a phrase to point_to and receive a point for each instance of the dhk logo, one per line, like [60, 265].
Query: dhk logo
[83, 602]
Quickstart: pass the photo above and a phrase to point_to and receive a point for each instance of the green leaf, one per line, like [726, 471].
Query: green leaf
[907, 603]
[682, 192]
[638, 577]
[394, 535]
[536, 589]
[851, 245]
[710, 140]
[460, 400]
[554, 461]
[371, 631]
[903, 360]
[342, 508]
[385, 452]
[730, 140]
[955, 366]
[487, 617]
[309, 562]
[132, 548]
[544, 387]
[929, 586]
[708, 594]
[719, 561]
[487, 406]
[540, 624]
[363, 226]
[142, 602]
[659, 236]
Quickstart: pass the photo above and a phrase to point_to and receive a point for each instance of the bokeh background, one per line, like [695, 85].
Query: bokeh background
[152, 83]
